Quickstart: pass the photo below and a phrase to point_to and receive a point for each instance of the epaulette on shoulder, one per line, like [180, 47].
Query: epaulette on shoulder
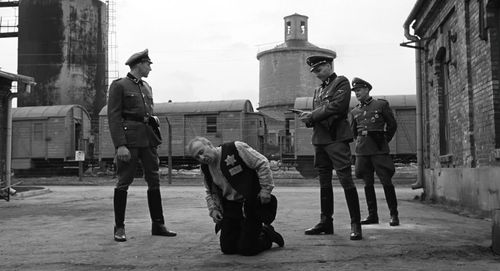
[341, 78]
[383, 101]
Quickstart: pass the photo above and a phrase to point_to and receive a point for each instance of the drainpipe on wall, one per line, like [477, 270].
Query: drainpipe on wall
[420, 165]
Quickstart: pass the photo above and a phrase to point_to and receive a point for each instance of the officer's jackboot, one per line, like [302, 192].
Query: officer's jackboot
[156, 212]
[392, 203]
[325, 224]
[119, 204]
[371, 201]
[351, 196]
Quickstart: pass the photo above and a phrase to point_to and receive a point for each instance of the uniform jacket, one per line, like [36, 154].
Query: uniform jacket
[374, 125]
[130, 106]
[246, 170]
[330, 111]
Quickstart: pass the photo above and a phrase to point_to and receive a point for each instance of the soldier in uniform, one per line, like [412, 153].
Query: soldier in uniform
[331, 137]
[238, 183]
[135, 134]
[374, 125]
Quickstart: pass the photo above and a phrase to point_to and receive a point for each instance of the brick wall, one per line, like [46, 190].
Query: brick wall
[455, 50]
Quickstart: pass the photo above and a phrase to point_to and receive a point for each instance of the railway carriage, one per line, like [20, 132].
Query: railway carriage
[45, 138]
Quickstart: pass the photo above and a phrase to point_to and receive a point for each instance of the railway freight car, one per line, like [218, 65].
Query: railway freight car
[45, 138]
[403, 145]
[219, 121]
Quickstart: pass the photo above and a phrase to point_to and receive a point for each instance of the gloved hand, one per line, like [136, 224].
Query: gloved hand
[216, 215]
[123, 153]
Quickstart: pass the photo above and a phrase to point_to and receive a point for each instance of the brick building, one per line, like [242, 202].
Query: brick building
[457, 45]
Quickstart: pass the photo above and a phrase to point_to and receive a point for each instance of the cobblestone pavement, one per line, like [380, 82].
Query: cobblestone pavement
[71, 227]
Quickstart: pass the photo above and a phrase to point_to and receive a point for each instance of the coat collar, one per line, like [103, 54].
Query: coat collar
[328, 80]
[137, 81]
[367, 102]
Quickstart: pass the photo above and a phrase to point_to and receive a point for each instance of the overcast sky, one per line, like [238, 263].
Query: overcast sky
[206, 50]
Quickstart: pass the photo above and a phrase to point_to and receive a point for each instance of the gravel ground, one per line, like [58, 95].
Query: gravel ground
[70, 228]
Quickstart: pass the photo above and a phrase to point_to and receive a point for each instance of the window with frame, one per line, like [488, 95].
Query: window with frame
[211, 124]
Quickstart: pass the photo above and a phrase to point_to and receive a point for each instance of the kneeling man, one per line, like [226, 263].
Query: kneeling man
[238, 184]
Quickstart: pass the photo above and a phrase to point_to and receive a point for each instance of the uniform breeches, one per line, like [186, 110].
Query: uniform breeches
[150, 163]
[334, 156]
[381, 164]
[242, 234]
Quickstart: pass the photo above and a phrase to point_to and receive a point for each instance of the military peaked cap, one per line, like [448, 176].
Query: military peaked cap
[360, 83]
[315, 61]
[138, 57]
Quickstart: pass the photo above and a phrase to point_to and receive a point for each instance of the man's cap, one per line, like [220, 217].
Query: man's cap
[138, 57]
[315, 61]
[267, 212]
[360, 83]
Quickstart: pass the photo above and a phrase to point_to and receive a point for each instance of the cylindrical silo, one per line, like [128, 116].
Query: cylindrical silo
[284, 74]
[63, 45]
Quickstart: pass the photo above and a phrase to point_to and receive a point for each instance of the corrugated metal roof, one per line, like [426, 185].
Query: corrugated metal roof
[199, 107]
[28, 112]
[394, 101]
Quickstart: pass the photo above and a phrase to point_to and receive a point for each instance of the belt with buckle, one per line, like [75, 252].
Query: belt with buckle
[144, 119]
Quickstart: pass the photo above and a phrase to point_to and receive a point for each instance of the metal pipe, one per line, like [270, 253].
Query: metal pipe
[420, 163]
[8, 163]
[410, 19]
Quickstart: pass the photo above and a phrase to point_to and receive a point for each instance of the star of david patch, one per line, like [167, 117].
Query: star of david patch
[230, 160]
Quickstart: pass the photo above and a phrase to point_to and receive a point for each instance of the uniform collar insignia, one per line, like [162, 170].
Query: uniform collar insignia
[133, 79]
[329, 80]
[230, 160]
[368, 101]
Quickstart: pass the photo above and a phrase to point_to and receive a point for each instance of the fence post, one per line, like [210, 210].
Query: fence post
[169, 151]
[496, 232]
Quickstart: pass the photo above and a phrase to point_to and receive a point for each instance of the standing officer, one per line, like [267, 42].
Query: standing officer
[374, 125]
[331, 137]
[135, 135]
